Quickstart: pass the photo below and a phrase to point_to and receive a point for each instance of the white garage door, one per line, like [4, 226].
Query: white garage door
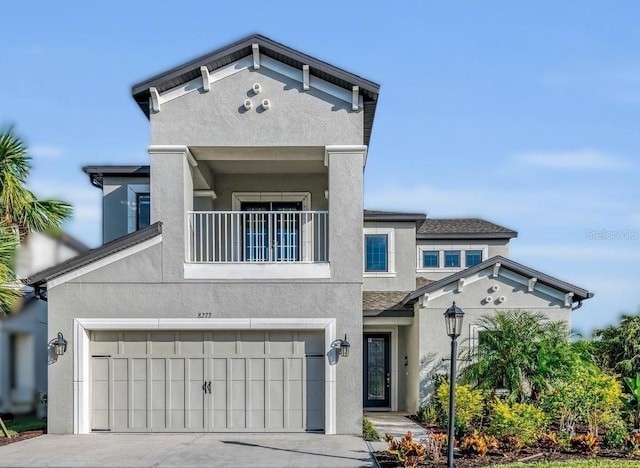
[198, 381]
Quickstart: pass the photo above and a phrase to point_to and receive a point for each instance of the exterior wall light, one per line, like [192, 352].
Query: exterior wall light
[59, 345]
[453, 318]
[343, 346]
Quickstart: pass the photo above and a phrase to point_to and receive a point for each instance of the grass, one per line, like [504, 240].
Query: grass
[369, 431]
[576, 464]
[23, 424]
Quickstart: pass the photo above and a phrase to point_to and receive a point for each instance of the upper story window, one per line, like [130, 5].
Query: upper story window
[430, 259]
[143, 210]
[452, 258]
[441, 257]
[473, 257]
[379, 252]
[376, 252]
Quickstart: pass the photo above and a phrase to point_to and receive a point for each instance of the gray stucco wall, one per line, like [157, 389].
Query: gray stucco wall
[227, 184]
[434, 342]
[405, 260]
[218, 117]
[115, 205]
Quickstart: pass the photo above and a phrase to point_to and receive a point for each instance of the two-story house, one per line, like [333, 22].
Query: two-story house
[228, 295]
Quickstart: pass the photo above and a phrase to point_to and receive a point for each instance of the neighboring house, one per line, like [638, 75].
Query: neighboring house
[23, 333]
[232, 269]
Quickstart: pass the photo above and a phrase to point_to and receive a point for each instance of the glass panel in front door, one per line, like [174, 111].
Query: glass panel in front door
[376, 369]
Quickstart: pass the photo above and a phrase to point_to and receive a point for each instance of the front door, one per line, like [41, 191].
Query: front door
[377, 370]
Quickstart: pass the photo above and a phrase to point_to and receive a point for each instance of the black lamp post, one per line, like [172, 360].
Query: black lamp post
[453, 318]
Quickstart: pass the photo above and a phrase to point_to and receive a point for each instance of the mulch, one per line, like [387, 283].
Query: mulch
[494, 458]
[22, 436]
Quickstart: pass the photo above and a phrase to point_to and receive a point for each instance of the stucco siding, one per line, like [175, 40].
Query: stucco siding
[218, 117]
[115, 205]
[142, 267]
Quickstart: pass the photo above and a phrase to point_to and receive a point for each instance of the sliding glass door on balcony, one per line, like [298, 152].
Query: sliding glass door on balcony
[265, 232]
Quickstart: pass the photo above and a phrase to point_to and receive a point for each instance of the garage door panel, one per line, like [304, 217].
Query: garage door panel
[259, 380]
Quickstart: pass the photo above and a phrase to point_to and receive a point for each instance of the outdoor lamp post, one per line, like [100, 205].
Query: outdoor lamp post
[453, 318]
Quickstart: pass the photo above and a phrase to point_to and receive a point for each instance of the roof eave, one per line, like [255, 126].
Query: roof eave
[471, 235]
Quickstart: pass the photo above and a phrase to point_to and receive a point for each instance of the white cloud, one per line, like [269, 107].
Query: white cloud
[45, 151]
[587, 160]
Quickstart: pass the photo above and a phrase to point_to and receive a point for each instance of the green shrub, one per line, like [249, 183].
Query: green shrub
[427, 414]
[616, 435]
[469, 405]
[369, 431]
[521, 420]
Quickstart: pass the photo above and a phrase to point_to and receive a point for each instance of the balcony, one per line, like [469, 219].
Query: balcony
[244, 238]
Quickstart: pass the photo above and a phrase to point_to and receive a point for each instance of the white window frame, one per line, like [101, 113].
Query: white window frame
[440, 248]
[391, 253]
[133, 190]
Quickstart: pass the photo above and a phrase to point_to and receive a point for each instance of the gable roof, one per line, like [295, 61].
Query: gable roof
[372, 215]
[462, 228]
[579, 294]
[233, 52]
[96, 254]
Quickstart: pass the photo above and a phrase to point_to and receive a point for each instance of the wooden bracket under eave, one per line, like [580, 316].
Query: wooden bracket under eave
[154, 103]
[256, 56]
[206, 84]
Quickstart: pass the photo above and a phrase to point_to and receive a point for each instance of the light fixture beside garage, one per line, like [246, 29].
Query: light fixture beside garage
[343, 346]
[59, 345]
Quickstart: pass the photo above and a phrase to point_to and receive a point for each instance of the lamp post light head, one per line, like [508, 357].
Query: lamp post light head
[59, 345]
[453, 317]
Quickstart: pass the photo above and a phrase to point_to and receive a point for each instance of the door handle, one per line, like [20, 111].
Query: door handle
[209, 386]
[388, 379]
[204, 387]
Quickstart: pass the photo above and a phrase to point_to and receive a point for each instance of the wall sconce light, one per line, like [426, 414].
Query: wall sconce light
[59, 345]
[343, 346]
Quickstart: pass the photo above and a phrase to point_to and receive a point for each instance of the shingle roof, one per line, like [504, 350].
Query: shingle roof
[579, 294]
[93, 255]
[378, 302]
[242, 48]
[462, 228]
[372, 215]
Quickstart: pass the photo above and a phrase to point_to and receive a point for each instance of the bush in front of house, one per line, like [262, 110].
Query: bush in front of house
[521, 420]
[469, 406]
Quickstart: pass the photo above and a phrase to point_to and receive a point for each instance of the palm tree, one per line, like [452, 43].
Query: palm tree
[519, 351]
[19, 207]
[20, 211]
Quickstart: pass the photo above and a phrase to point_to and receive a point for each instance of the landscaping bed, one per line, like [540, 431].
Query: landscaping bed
[22, 428]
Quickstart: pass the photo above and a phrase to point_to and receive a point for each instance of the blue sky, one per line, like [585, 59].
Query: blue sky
[523, 113]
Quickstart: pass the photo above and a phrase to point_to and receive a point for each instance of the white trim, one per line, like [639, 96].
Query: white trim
[441, 248]
[155, 102]
[238, 197]
[133, 190]
[206, 84]
[532, 284]
[81, 355]
[387, 321]
[354, 98]
[104, 262]
[257, 270]
[346, 149]
[255, 49]
[391, 252]
[305, 77]
[496, 270]
[205, 193]
[244, 64]
[395, 366]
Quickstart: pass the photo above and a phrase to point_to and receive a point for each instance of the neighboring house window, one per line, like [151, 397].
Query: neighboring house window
[379, 252]
[430, 259]
[452, 258]
[376, 252]
[143, 210]
[473, 257]
[139, 206]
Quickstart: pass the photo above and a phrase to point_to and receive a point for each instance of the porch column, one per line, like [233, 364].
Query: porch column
[171, 199]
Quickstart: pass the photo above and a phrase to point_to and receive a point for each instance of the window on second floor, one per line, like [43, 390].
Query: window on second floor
[376, 252]
[430, 259]
[143, 210]
[379, 252]
[473, 257]
[452, 258]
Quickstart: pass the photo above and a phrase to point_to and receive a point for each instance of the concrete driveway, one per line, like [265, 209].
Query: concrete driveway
[188, 450]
